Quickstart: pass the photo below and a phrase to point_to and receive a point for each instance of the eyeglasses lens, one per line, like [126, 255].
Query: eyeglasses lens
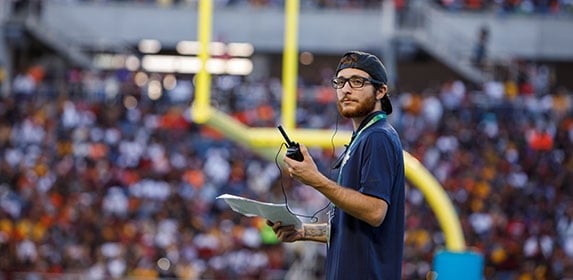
[355, 82]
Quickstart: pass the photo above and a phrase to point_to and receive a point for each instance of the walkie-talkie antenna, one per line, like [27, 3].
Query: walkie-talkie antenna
[289, 142]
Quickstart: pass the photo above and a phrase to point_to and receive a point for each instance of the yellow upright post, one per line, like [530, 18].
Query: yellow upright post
[290, 63]
[202, 108]
[438, 200]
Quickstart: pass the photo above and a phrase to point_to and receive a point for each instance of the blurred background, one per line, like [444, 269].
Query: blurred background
[104, 175]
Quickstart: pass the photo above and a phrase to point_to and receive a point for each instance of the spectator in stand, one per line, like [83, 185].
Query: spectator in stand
[479, 58]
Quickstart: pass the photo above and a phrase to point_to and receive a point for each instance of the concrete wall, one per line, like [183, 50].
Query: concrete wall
[327, 31]
[545, 37]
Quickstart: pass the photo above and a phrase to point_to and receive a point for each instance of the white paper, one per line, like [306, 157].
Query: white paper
[270, 211]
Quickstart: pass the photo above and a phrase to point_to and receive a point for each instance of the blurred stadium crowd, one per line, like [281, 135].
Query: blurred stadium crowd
[97, 181]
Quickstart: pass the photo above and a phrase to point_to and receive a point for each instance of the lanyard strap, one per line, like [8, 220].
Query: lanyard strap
[347, 152]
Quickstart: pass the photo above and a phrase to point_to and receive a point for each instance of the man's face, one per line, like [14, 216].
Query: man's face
[355, 102]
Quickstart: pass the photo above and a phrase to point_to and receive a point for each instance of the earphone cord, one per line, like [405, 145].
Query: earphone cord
[332, 139]
[313, 218]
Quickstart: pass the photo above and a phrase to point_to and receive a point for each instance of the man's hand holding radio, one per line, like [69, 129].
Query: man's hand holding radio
[306, 170]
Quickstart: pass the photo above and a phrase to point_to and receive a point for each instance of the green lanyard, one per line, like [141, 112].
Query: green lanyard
[347, 153]
[345, 158]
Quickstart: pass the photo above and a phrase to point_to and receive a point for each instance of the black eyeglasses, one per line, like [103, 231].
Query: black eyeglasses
[354, 82]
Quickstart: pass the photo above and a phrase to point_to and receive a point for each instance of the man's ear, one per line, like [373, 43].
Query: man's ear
[381, 92]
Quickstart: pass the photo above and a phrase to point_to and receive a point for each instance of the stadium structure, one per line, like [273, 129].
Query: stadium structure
[421, 42]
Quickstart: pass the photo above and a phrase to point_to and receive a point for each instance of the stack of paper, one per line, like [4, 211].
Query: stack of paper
[270, 211]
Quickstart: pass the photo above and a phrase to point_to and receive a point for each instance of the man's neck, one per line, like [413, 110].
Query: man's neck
[358, 120]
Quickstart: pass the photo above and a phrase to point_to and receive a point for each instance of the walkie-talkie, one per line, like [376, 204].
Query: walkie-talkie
[293, 150]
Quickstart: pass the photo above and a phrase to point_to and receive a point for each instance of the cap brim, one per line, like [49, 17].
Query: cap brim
[386, 105]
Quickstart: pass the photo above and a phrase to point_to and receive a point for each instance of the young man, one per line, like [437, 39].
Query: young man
[365, 232]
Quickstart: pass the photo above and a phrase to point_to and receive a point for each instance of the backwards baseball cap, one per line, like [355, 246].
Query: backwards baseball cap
[370, 64]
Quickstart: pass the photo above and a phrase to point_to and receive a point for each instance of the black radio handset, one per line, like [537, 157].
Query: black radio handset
[293, 150]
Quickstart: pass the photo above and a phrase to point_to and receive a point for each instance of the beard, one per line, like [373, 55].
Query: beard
[361, 109]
